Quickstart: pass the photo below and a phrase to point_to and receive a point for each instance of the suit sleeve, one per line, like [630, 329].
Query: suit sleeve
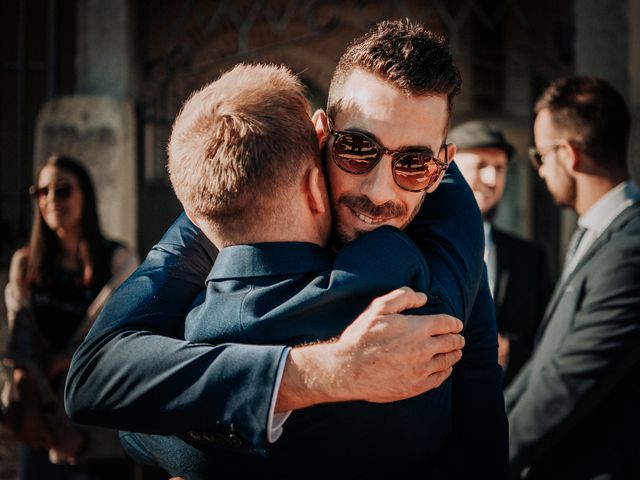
[448, 230]
[600, 348]
[135, 372]
[481, 445]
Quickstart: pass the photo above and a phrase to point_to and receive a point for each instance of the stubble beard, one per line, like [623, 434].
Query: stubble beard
[341, 235]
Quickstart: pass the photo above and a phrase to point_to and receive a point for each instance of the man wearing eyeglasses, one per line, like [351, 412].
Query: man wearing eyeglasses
[517, 268]
[573, 408]
[386, 149]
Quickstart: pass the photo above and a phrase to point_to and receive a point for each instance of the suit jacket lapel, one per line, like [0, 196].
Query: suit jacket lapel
[502, 250]
[617, 223]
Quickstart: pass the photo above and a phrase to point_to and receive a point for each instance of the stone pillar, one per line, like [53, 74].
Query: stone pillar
[634, 86]
[602, 40]
[106, 60]
[607, 46]
[98, 124]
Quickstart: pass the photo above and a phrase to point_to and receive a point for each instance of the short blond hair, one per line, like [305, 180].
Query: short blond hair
[239, 143]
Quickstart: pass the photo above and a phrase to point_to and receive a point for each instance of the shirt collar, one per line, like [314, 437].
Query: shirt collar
[264, 259]
[605, 210]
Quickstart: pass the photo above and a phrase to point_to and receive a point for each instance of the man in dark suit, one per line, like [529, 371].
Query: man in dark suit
[573, 408]
[135, 366]
[518, 270]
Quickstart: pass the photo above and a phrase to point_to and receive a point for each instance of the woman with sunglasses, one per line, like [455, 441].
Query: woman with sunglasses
[57, 286]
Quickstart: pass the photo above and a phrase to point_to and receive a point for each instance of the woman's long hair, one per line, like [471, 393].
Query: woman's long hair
[45, 248]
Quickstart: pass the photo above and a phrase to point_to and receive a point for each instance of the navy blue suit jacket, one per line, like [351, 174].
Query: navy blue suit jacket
[136, 371]
[291, 293]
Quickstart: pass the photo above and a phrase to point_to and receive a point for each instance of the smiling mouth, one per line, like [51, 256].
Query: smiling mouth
[370, 220]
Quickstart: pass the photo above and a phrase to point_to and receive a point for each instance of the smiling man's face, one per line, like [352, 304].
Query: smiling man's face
[396, 121]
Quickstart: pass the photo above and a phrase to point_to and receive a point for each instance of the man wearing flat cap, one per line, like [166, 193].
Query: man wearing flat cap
[518, 270]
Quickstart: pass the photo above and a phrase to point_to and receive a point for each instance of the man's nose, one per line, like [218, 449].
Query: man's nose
[488, 175]
[541, 171]
[378, 185]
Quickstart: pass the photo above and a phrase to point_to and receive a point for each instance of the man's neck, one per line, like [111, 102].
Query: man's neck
[222, 239]
[489, 214]
[591, 188]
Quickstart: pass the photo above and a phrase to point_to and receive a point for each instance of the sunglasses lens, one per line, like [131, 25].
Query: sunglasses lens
[354, 153]
[36, 192]
[414, 171]
[417, 172]
[63, 192]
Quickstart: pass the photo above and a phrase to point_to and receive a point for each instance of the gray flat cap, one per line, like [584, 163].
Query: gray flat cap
[479, 134]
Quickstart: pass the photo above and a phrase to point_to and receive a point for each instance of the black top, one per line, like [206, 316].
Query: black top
[60, 307]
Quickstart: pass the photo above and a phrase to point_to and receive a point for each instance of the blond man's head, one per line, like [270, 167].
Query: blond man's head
[239, 145]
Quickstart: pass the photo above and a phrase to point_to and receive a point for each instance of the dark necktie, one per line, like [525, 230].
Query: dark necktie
[573, 247]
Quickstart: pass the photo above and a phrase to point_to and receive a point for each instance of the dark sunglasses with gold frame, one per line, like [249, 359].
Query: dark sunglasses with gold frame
[414, 171]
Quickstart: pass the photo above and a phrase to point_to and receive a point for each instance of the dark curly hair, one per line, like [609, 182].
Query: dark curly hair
[408, 55]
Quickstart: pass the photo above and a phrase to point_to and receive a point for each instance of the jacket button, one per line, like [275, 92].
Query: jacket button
[234, 440]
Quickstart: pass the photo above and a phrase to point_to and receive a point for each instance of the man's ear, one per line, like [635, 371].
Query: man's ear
[451, 153]
[192, 217]
[571, 158]
[316, 190]
[319, 120]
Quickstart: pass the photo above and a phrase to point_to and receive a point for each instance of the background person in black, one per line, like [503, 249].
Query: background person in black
[518, 270]
[57, 286]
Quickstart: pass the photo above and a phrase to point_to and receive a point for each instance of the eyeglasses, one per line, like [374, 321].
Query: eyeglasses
[61, 192]
[357, 153]
[537, 158]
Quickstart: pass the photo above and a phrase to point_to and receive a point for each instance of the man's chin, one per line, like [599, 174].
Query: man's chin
[489, 214]
[563, 200]
[341, 237]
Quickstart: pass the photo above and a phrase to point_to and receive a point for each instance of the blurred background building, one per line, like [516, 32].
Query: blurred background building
[103, 80]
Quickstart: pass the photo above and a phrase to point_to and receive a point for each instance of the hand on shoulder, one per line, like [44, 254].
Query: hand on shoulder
[383, 356]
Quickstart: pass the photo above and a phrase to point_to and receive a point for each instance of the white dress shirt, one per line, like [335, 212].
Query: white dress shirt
[275, 421]
[490, 256]
[601, 214]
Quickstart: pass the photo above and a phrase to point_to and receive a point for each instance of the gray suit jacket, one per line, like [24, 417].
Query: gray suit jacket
[573, 409]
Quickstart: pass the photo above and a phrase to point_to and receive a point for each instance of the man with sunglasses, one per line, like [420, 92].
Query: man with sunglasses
[397, 130]
[573, 408]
